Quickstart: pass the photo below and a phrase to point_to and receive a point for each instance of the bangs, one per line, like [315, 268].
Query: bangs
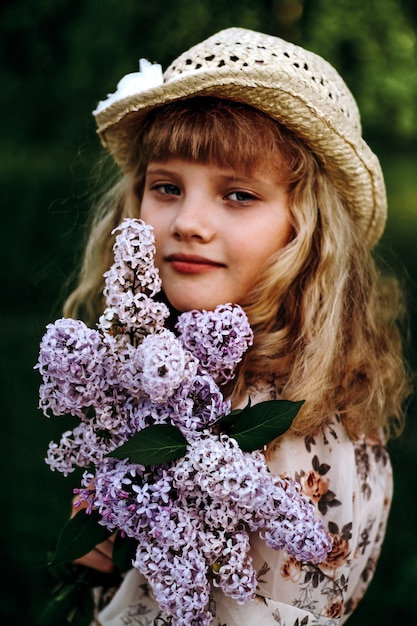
[222, 133]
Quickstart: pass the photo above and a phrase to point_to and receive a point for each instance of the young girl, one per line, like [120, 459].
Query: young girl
[247, 159]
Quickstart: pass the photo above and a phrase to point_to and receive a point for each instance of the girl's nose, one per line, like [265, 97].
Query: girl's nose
[194, 220]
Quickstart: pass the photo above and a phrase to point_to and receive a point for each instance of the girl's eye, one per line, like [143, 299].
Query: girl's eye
[167, 189]
[241, 196]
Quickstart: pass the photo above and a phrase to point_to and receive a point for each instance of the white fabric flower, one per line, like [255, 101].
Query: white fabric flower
[150, 75]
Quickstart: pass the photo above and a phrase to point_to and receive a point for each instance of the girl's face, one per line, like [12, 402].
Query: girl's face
[215, 229]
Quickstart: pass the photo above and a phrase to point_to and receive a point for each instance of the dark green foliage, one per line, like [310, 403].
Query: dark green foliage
[79, 536]
[255, 426]
[159, 443]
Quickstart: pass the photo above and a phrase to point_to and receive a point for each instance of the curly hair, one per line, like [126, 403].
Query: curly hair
[326, 321]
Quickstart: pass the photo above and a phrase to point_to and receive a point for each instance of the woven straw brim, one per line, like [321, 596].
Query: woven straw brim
[347, 159]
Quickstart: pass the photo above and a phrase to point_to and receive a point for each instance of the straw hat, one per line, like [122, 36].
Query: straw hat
[292, 85]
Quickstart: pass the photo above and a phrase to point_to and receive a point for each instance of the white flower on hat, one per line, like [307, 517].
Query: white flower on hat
[150, 75]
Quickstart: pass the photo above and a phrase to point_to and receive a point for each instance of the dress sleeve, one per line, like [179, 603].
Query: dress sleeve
[350, 484]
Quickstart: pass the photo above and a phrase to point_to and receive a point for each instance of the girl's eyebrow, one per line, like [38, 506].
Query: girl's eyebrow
[160, 170]
[226, 177]
[243, 179]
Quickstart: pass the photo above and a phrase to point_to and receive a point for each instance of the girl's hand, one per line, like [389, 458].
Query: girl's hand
[100, 558]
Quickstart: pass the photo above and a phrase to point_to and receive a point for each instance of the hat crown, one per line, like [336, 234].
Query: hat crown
[239, 51]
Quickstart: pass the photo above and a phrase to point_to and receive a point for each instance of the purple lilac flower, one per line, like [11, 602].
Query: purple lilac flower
[217, 338]
[92, 439]
[115, 498]
[197, 404]
[236, 574]
[133, 281]
[164, 364]
[180, 584]
[295, 527]
[192, 517]
[77, 448]
[238, 488]
[134, 249]
[147, 413]
[135, 312]
[76, 368]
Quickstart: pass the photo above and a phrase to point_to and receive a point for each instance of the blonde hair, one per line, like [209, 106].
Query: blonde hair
[325, 320]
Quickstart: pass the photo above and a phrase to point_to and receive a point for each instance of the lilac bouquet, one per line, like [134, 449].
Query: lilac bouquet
[166, 462]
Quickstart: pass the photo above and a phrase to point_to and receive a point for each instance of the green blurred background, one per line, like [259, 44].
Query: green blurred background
[58, 58]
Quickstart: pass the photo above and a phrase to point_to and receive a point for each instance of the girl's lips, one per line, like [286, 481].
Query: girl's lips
[188, 264]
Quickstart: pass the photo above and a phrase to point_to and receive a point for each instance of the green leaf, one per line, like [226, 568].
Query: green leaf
[79, 536]
[153, 445]
[257, 425]
[124, 551]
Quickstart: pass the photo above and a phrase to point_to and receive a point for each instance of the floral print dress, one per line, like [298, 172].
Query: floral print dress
[350, 484]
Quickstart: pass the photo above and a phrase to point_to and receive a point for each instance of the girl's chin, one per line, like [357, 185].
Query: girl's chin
[181, 306]
[188, 297]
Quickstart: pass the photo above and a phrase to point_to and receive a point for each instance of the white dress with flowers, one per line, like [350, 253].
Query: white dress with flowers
[350, 484]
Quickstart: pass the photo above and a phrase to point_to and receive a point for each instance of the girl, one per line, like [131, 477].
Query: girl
[247, 159]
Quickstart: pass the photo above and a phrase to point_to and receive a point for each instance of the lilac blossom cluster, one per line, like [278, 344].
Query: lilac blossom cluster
[191, 517]
[215, 340]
